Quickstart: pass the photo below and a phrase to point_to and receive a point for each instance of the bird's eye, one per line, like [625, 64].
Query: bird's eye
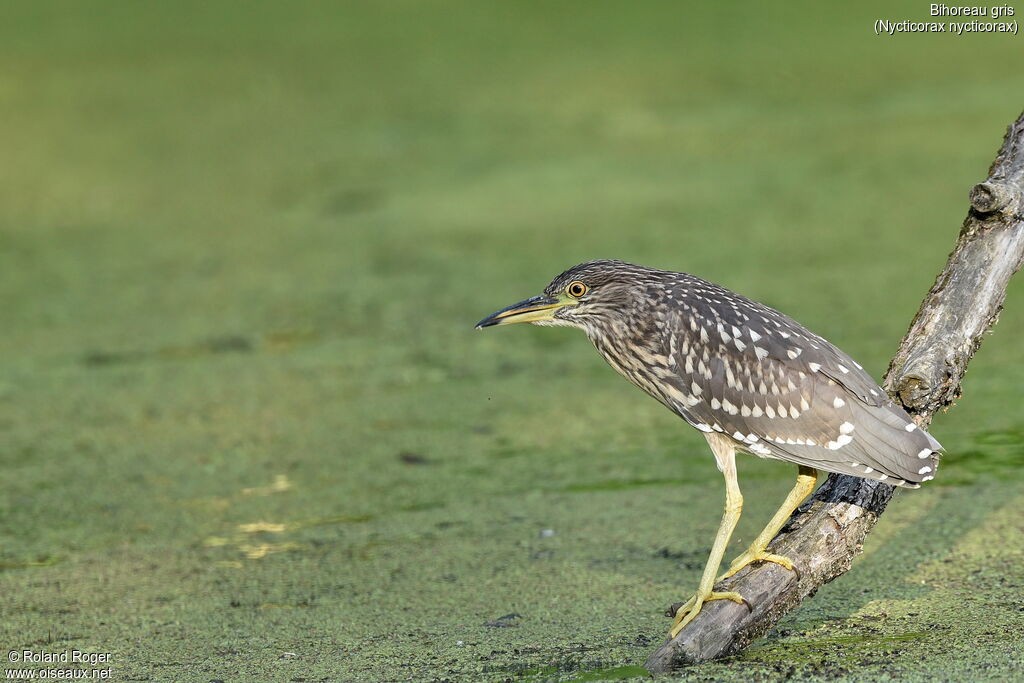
[576, 289]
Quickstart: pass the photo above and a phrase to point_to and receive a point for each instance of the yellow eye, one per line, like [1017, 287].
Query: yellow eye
[576, 289]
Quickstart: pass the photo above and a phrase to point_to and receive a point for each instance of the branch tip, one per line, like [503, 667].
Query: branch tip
[992, 195]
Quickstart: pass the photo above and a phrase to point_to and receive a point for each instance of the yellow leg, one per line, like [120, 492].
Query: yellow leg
[725, 453]
[806, 480]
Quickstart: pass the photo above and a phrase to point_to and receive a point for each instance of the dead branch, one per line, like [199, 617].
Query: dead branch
[827, 532]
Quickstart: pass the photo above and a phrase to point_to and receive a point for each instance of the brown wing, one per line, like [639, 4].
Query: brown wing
[781, 391]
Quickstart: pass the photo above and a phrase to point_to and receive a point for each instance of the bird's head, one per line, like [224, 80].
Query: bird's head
[584, 296]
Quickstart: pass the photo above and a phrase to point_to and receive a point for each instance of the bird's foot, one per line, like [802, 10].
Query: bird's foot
[752, 556]
[691, 608]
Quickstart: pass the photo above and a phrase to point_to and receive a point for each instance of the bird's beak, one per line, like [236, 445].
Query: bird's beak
[530, 310]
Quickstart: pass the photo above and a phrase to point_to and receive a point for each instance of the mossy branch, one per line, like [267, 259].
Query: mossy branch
[828, 531]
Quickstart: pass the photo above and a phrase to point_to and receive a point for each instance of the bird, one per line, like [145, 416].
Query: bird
[751, 379]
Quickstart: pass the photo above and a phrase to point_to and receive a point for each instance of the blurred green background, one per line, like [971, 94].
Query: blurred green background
[247, 430]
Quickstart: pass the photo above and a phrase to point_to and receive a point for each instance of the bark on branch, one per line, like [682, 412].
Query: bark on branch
[828, 531]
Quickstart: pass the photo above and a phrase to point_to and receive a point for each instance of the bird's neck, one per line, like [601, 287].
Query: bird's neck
[633, 349]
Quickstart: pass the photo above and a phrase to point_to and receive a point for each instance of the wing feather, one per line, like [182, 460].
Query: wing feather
[781, 391]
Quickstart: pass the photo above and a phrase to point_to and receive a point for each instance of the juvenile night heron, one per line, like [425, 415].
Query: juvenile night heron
[750, 378]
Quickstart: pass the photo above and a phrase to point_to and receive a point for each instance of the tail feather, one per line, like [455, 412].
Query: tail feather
[886, 445]
[910, 453]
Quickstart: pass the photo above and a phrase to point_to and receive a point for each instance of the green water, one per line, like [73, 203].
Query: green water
[247, 431]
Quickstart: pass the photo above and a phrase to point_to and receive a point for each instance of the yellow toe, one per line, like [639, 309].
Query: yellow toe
[691, 608]
[750, 558]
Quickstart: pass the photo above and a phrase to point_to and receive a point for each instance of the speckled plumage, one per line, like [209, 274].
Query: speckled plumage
[730, 365]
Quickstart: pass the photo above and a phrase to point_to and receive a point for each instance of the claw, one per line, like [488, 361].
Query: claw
[671, 611]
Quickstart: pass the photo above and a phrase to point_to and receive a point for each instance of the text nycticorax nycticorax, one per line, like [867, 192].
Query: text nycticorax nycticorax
[752, 379]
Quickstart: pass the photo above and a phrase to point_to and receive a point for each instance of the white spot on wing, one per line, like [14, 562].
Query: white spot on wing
[910, 427]
[838, 402]
[702, 427]
[924, 470]
[845, 428]
[842, 368]
[761, 353]
[840, 441]
[814, 367]
[924, 453]
[793, 353]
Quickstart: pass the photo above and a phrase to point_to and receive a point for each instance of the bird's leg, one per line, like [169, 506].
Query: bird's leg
[806, 480]
[725, 454]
